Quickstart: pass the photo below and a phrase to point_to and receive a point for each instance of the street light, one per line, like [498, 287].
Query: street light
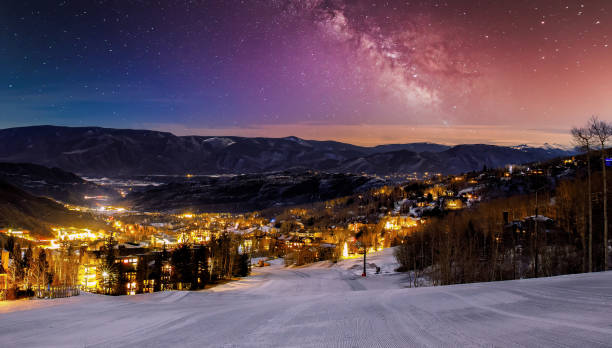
[365, 251]
[105, 276]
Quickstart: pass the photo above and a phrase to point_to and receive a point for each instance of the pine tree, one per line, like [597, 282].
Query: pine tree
[109, 273]
[243, 262]
[156, 274]
[181, 262]
[200, 267]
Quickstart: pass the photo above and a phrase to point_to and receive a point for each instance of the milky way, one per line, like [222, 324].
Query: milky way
[360, 71]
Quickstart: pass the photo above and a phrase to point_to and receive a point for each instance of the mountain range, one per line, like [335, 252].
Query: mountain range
[95, 151]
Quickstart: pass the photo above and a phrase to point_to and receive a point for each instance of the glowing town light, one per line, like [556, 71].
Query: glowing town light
[345, 251]
[390, 226]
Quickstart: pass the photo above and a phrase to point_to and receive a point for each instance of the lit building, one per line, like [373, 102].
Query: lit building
[88, 277]
[78, 234]
[400, 222]
[4, 261]
[454, 204]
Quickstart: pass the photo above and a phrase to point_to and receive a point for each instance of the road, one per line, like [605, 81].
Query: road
[322, 306]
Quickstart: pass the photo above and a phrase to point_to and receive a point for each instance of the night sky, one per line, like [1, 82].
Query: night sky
[365, 72]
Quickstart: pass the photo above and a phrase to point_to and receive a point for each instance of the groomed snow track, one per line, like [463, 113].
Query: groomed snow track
[323, 306]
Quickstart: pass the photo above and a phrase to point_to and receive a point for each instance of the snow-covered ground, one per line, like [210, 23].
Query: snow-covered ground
[326, 305]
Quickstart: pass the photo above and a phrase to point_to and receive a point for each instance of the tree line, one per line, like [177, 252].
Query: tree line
[186, 267]
[560, 227]
[33, 270]
[595, 134]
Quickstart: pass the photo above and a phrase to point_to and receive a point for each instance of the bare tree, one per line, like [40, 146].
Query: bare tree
[583, 138]
[367, 236]
[602, 132]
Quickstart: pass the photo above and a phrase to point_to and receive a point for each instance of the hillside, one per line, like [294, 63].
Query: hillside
[94, 151]
[454, 160]
[22, 210]
[54, 183]
[249, 191]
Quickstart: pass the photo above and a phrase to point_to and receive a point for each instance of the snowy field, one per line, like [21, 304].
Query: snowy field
[326, 306]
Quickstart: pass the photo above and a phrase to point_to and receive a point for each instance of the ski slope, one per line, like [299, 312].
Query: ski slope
[326, 305]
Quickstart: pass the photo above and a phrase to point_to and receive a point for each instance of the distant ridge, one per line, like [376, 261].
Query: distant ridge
[54, 183]
[22, 210]
[96, 151]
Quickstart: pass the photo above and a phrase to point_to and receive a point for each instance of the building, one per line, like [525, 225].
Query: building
[4, 261]
[454, 203]
[161, 239]
[88, 276]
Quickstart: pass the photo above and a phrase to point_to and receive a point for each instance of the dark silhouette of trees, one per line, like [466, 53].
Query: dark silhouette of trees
[501, 239]
[602, 131]
[182, 266]
[583, 138]
[109, 273]
[200, 267]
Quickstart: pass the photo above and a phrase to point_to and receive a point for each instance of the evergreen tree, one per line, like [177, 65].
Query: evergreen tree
[17, 269]
[10, 245]
[181, 262]
[243, 262]
[200, 267]
[156, 273]
[109, 273]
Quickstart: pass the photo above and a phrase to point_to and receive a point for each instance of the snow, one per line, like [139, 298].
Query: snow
[219, 142]
[298, 140]
[540, 218]
[383, 259]
[467, 190]
[325, 305]
[76, 152]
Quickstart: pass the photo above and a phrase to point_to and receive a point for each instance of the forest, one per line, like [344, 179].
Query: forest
[558, 224]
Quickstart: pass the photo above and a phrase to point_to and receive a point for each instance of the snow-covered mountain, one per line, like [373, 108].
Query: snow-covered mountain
[95, 151]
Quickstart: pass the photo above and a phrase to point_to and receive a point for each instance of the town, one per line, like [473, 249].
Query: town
[305, 173]
[141, 252]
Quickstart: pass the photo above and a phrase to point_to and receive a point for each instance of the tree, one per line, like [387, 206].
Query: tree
[16, 269]
[39, 270]
[583, 138]
[65, 264]
[108, 273]
[243, 261]
[156, 274]
[200, 267]
[26, 264]
[181, 263]
[10, 245]
[602, 132]
[367, 237]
